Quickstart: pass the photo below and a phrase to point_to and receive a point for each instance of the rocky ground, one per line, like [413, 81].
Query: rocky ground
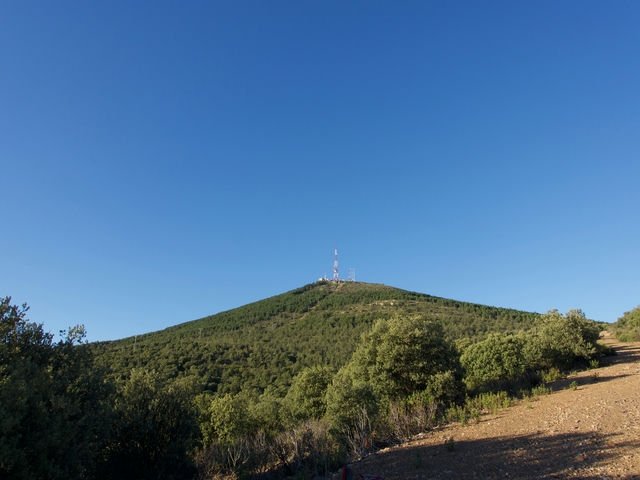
[589, 432]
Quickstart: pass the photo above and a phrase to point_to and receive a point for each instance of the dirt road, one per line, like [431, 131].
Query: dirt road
[588, 432]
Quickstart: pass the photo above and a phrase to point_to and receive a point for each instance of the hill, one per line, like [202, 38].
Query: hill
[263, 345]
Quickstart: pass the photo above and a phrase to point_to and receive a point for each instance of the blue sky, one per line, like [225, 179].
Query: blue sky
[163, 161]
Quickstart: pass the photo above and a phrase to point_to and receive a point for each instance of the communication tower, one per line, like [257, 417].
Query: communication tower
[336, 277]
[352, 275]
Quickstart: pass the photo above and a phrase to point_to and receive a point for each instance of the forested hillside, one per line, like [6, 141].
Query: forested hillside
[265, 344]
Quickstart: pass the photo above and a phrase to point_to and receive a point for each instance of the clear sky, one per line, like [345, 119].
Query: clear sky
[163, 161]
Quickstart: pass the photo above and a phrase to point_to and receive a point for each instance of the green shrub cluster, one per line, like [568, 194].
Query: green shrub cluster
[517, 362]
[627, 328]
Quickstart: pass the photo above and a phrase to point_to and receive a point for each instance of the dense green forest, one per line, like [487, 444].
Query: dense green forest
[296, 384]
[265, 344]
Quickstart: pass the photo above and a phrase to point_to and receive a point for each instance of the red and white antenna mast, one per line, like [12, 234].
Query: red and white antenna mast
[336, 277]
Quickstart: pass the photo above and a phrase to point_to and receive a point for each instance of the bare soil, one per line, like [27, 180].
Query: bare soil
[588, 432]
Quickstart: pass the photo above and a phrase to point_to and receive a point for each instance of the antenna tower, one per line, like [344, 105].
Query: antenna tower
[336, 277]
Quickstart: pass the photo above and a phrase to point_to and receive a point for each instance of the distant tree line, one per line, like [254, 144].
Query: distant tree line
[65, 415]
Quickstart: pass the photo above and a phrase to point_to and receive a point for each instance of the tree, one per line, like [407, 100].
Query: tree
[401, 356]
[495, 363]
[153, 432]
[352, 409]
[404, 360]
[561, 340]
[224, 418]
[54, 412]
[306, 397]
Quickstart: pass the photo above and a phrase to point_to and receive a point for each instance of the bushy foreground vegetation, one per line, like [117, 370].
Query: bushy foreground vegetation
[65, 416]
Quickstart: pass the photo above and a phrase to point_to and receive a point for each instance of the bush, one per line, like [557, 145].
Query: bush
[496, 363]
[408, 417]
[307, 396]
[560, 341]
[401, 379]
[401, 356]
[307, 449]
[352, 408]
[223, 418]
[154, 431]
[627, 328]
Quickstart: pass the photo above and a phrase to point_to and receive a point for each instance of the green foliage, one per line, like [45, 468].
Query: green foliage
[406, 355]
[307, 396]
[223, 418]
[627, 327]
[266, 414]
[53, 412]
[541, 390]
[349, 402]
[495, 363]
[560, 341]
[457, 413]
[444, 388]
[551, 375]
[516, 362]
[405, 418]
[488, 402]
[401, 378]
[153, 432]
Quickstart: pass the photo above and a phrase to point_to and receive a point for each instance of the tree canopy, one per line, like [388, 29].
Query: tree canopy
[51, 422]
[401, 355]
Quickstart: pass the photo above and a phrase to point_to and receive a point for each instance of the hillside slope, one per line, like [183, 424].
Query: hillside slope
[264, 344]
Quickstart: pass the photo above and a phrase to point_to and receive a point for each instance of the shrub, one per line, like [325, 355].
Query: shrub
[560, 340]
[494, 364]
[352, 408]
[401, 356]
[627, 327]
[154, 431]
[412, 415]
[551, 375]
[306, 450]
[223, 418]
[307, 396]
[541, 390]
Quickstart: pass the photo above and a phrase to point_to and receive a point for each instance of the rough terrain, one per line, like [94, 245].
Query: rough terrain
[588, 432]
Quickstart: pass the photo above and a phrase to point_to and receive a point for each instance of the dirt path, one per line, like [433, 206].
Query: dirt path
[592, 432]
